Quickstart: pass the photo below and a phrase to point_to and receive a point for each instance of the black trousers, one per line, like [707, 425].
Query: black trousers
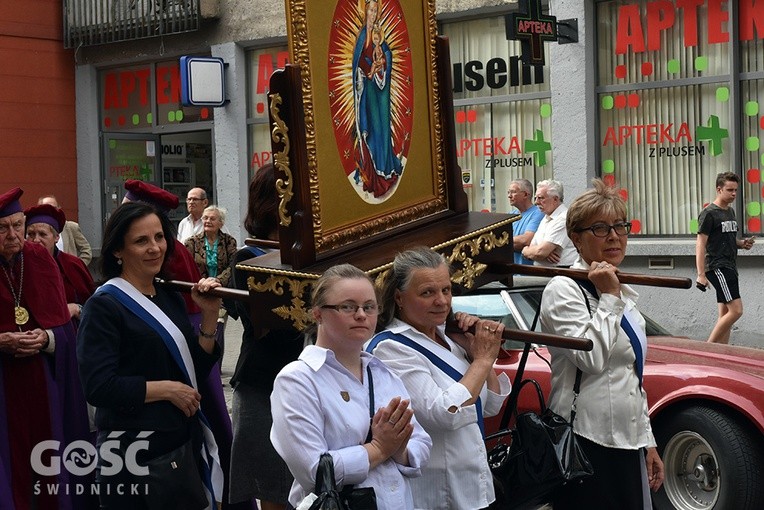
[617, 481]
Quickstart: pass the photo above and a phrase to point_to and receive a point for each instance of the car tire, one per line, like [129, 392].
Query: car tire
[711, 462]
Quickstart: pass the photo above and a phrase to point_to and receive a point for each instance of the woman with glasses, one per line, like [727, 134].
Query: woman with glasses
[611, 409]
[338, 399]
[450, 378]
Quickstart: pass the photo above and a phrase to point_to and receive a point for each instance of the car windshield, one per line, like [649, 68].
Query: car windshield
[516, 309]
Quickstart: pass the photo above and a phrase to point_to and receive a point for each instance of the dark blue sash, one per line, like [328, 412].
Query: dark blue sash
[434, 359]
[628, 329]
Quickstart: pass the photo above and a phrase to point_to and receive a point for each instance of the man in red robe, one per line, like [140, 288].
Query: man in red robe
[40, 395]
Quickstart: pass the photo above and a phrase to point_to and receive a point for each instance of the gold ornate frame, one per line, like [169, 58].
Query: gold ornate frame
[339, 216]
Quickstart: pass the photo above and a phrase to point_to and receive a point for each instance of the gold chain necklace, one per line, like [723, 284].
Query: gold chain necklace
[21, 313]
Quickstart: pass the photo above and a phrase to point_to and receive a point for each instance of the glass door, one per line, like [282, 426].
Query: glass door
[127, 156]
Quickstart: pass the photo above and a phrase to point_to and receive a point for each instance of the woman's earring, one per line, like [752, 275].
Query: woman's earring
[119, 262]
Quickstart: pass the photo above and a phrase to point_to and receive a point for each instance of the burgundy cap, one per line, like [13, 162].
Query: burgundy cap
[139, 191]
[9, 202]
[46, 213]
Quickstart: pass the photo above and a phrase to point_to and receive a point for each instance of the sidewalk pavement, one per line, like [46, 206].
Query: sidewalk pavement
[233, 332]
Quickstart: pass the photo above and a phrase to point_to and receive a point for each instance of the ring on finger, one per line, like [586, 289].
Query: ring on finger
[391, 422]
[487, 328]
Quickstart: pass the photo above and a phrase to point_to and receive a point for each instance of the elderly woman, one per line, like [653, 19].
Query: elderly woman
[450, 378]
[341, 400]
[44, 225]
[140, 360]
[213, 249]
[611, 420]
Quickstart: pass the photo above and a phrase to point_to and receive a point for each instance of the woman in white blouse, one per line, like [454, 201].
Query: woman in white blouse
[611, 420]
[450, 378]
[322, 402]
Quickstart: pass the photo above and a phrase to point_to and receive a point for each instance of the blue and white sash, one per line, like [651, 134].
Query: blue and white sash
[153, 316]
[434, 359]
[637, 338]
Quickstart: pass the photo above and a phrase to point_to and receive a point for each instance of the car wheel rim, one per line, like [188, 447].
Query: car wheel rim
[692, 472]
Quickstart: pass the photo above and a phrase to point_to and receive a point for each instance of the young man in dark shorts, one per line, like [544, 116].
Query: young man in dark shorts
[715, 254]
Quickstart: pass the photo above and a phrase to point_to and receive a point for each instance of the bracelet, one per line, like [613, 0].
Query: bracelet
[214, 334]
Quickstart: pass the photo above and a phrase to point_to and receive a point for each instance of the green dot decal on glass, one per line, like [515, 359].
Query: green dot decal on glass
[701, 63]
[752, 108]
[607, 102]
[608, 166]
[753, 208]
[694, 226]
[545, 110]
[723, 94]
[112, 144]
[762, 160]
[672, 66]
[136, 119]
[171, 116]
[752, 143]
[149, 118]
[179, 115]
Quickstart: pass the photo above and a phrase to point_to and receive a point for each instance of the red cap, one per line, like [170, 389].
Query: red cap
[46, 213]
[139, 191]
[9, 202]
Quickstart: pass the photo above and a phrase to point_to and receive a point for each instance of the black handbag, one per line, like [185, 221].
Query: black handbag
[349, 498]
[174, 482]
[543, 454]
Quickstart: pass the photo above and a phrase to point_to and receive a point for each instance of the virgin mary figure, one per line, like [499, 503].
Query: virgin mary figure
[378, 167]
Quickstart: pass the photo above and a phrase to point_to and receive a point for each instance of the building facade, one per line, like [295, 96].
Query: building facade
[655, 97]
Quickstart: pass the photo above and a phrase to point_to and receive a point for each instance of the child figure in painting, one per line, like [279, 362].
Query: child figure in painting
[379, 56]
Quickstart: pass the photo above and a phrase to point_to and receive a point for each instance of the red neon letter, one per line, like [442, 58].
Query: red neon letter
[660, 16]
[717, 17]
[751, 19]
[629, 31]
[143, 85]
[264, 72]
[690, 20]
[127, 87]
[110, 91]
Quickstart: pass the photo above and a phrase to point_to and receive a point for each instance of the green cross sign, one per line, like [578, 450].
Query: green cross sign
[539, 147]
[713, 133]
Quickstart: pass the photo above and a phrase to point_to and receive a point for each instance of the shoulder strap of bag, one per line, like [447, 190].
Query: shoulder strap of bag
[434, 359]
[371, 401]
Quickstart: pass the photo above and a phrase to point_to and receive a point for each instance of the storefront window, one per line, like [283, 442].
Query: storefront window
[127, 94]
[260, 65]
[666, 101]
[502, 112]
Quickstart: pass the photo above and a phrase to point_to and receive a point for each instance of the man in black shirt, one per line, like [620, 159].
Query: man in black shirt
[715, 254]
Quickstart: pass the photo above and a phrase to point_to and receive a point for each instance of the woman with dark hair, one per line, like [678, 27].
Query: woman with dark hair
[139, 361]
[341, 400]
[263, 354]
[450, 377]
[611, 419]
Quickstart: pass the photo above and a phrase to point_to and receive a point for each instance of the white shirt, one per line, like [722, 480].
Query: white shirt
[611, 409]
[552, 229]
[189, 228]
[318, 406]
[458, 476]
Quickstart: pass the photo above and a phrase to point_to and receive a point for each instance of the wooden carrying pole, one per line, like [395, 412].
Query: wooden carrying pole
[673, 282]
[581, 344]
[532, 337]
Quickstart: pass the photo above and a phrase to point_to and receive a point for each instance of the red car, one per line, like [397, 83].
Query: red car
[706, 403]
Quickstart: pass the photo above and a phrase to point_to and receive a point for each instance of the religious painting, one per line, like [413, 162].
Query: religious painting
[375, 157]
[371, 94]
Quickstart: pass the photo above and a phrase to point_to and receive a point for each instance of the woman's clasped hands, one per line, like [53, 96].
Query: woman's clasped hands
[391, 429]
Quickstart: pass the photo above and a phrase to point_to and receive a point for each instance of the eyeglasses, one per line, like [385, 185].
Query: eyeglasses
[352, 308]
[603, 229]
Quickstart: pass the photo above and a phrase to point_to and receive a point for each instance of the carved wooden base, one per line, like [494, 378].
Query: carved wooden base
[470, 242]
